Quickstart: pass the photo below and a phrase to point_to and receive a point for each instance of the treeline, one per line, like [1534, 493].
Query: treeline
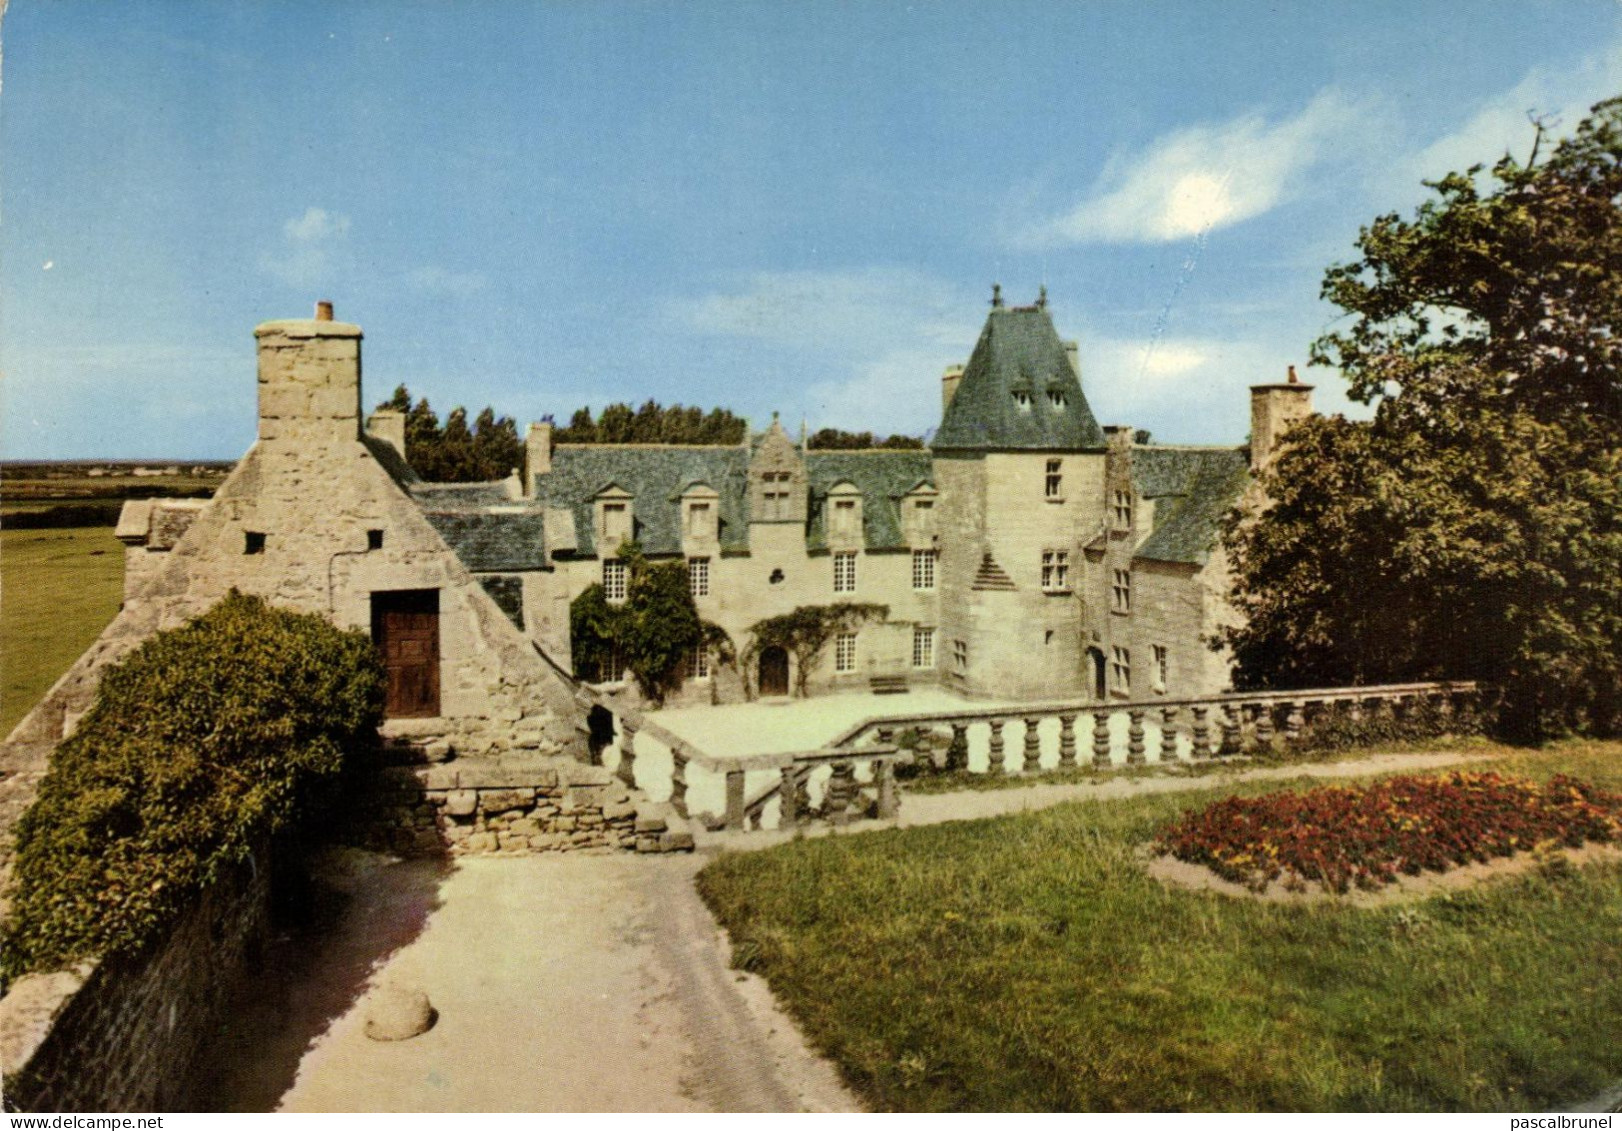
[832, 438]
[653, 424]
[453, 452]
[64, 516]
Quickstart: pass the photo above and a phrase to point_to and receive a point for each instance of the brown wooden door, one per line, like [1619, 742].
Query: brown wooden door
[774, 671]
[405, 627]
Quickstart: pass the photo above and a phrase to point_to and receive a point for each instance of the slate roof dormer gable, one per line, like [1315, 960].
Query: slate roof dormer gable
[1002, 402]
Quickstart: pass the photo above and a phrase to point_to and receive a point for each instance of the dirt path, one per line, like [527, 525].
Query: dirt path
[563, 983]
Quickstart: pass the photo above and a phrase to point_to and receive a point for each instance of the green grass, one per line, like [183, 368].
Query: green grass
[1029, 962]
[58, 590]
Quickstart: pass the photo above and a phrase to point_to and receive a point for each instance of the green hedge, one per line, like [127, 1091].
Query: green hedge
[202, 741]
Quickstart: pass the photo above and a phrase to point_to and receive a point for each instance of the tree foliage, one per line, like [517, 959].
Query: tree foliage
[652, 424]
[832, 439]
[805, 632]
[1471, 529]
[201, 742]
[454, 452]
[652, 633]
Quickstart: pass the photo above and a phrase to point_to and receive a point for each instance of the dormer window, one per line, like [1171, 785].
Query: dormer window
[616, 525]
[1022, 399]
[1056, 399]
[845, 518]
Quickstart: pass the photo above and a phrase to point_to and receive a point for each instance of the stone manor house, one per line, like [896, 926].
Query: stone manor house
[1030, 553]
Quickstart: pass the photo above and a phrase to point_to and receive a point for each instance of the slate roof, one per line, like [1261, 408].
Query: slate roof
[1193, 487]
[655, 475]
[1018, 351]
[883, 476]
[493, 542]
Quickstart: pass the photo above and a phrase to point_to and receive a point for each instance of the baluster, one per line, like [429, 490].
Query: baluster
[1168, 734]
[1033, 751]
[841, 791]
[627, 767]
[1295, 722]
[1101, 739]
[1202, 732]
[1067, 741]
[1232, 737]
[994, 764]
[791, 814]
[1134, 738]
[889, 799]
[1356, 711]
[957, 754]
[1264, 727]
[678, 782]
[734, 814]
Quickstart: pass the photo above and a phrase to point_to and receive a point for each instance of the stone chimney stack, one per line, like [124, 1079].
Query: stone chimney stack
[537, 453]
[309, 379]
[388, 425]
[950, 380]
[1274, 410]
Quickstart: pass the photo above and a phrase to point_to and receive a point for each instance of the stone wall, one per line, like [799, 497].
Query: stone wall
[483, 806]
[124, 1034]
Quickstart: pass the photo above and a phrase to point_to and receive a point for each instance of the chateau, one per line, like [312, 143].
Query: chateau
[1029, 554]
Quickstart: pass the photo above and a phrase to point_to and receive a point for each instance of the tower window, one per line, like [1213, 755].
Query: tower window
[1121, 591]
[253, 542]
[1056, 571]
[1053, 482]
[374, 539]
[1123, 509]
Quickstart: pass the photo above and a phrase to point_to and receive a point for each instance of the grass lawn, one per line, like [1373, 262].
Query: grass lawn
[1029, 962]
[58, 590]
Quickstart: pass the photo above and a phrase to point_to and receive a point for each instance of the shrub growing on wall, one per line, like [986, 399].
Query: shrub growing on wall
[806, 632]
[202, 741]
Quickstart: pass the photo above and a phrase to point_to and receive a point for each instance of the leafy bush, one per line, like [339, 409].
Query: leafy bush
[202, 741]
[1335, 729]
[1339, 835]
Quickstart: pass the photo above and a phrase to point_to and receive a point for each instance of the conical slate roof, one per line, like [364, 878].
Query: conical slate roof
[1018, 391]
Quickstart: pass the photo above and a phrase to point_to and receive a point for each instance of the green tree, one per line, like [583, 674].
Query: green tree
[652, 423]
[1473, 528]
[652, 632]
[805, 632]
[453, 452]
[202, 741]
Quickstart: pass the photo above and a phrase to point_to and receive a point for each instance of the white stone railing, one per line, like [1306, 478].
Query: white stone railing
[1136, 732]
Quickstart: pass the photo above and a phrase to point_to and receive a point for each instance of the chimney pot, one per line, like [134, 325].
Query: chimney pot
[323, 311]
[1294, 380]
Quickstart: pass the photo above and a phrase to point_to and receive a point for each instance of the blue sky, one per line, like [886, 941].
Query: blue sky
[795, 207]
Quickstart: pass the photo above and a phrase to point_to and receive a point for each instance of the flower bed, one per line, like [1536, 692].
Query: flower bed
[1338, 836]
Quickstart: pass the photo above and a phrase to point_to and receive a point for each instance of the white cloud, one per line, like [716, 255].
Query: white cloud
[1204, 177]
[310, 249]
[1500, 125]
[316, 225]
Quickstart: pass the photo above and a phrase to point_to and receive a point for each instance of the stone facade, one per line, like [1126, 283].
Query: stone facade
[125, 1034]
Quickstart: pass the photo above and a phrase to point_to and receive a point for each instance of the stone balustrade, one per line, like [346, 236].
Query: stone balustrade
[1138, 732]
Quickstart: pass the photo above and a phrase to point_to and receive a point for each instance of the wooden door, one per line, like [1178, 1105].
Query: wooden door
[405, 627]
[774, 671]
[1095, 661]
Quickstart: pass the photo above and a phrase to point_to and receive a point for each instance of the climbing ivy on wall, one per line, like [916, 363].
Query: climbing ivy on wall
[805, 633]
[652, 632]
[202, 741]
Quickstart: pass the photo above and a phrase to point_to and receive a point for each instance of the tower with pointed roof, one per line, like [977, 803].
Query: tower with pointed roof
[1020, 464]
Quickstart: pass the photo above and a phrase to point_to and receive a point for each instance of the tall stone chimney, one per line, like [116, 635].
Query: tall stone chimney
[1274, 410]
[537, 453]
[309, 379]
[950, 380]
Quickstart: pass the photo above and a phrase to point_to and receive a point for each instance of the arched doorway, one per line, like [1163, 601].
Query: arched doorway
[599, 733]
[773, 671]
[1095, 663]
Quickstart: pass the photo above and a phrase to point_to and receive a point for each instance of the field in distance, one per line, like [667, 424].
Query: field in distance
[89, 492]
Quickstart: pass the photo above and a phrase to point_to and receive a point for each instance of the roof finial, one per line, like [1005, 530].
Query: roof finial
[1042, 298]
[1294, 380]
[996, 296]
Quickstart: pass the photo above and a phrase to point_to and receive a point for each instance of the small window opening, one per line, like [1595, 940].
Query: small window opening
[777, 577]
[254, 543]
[374, 539]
